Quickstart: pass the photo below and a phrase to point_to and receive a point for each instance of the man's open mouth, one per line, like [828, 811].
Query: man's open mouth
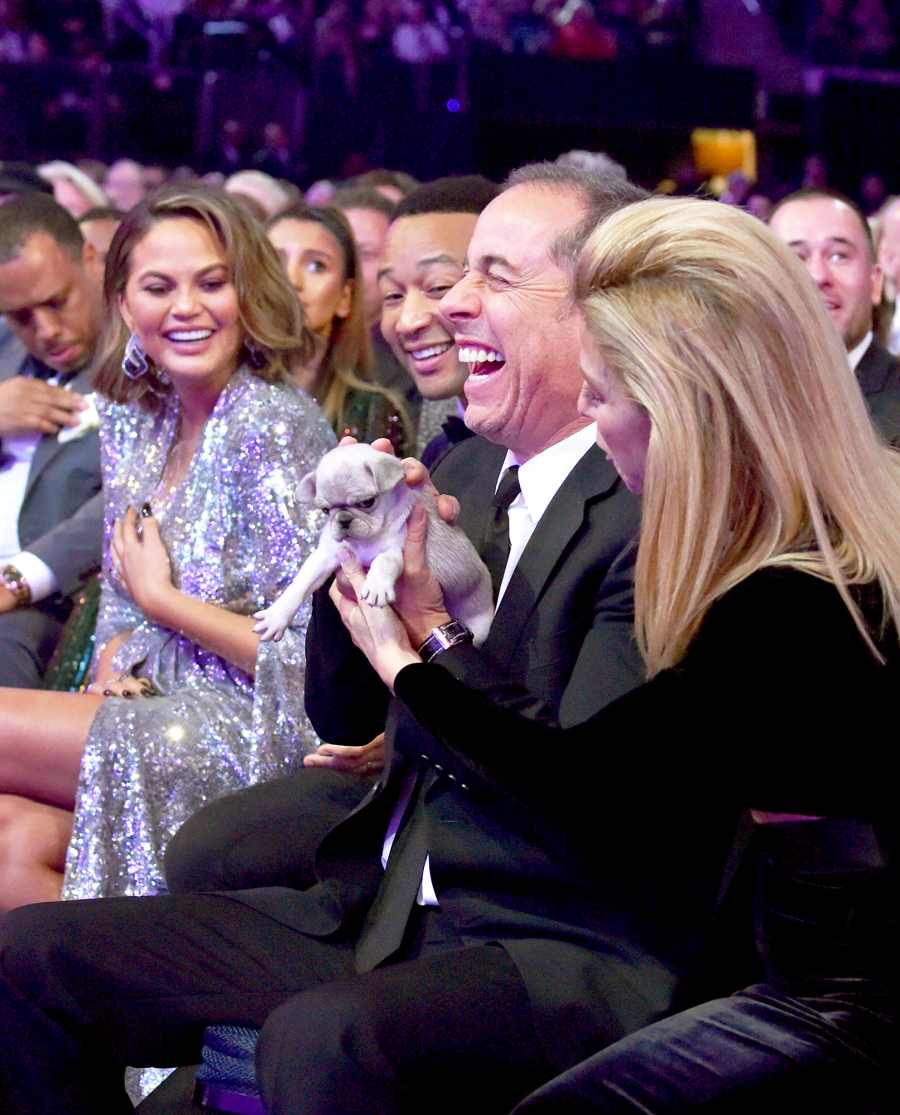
[480, 359]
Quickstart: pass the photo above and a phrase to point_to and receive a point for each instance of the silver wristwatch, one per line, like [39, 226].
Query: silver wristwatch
[15, 582]
[442, 638]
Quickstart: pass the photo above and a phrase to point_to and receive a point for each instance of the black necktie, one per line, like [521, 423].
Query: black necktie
[495, 551]
[385, 925]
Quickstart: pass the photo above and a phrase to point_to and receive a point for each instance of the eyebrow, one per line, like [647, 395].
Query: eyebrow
[487, 262]
[163, 275]
[828, 240]
[426, 261]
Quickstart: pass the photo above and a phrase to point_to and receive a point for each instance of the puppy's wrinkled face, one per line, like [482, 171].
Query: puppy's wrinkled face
[358, 498]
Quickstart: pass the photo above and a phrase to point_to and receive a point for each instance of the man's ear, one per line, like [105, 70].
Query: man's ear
[307, 489]
[386, 471]
[90, 261]
[343, 307]
[877, 284]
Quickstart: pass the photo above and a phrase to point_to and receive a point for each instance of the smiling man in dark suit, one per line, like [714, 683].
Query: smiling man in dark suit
[832, 239]
[453, 949]
[50, 459]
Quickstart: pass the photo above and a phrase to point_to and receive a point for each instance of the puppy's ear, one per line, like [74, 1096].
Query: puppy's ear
[307, 489]
[386, 471]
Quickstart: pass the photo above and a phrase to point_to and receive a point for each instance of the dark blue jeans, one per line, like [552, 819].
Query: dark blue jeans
[815, 1037]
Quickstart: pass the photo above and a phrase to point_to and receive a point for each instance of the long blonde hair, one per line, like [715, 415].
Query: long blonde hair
[762, 452]
[269, 312]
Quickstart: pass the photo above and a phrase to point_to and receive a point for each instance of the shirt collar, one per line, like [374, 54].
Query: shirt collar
[859, 351]
[542, 475]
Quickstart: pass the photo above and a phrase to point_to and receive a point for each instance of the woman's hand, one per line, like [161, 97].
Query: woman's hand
[377, 632]
[364, 761]
[141, 560]
[125, 685]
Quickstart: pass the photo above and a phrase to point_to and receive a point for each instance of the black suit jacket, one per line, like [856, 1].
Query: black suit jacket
[599, 958]
[878, 373]
[757, 714]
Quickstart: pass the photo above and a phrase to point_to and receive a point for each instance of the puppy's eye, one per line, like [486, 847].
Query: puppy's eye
[366, 504]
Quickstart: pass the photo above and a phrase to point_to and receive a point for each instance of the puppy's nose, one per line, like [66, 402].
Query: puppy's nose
[344, 518]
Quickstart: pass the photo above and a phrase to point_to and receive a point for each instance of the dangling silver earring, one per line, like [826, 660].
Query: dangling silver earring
[255, 354]
[134, 360]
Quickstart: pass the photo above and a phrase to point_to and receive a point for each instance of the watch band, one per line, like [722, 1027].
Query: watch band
[443, 637]
[13, 580]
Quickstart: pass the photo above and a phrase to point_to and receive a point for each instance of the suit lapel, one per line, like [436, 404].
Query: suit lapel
[874, 368]
[592, 478]
[50, 445]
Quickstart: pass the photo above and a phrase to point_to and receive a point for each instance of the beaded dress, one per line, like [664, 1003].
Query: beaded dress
[236, 534]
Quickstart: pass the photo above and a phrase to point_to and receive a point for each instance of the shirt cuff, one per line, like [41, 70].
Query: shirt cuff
[40, 577]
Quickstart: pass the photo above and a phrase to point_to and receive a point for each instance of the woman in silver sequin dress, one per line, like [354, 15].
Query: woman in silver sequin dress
[211, 442]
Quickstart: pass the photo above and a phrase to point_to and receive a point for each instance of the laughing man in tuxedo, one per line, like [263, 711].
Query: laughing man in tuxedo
[454, 949]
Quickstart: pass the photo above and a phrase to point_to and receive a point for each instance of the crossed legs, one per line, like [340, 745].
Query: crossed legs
[89, 987]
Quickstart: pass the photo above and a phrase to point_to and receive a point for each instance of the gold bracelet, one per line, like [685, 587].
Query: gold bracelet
[15, 582]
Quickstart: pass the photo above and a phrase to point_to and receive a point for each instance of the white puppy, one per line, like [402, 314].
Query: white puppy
[368, 502]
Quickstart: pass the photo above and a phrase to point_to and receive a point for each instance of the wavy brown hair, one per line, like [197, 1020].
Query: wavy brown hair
[347, 364]
[272, 319]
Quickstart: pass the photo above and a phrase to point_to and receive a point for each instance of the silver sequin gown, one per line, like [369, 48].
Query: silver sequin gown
[236, 534]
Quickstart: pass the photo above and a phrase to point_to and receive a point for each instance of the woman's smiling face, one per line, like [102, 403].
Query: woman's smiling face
[181, 302]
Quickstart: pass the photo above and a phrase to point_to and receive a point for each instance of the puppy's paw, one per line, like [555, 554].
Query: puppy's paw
[273, 622]
[378, 591]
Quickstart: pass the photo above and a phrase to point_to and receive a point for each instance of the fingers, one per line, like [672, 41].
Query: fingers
[415, 550]
[117, 546]
[128, 687]
[347, 440]
[448, 509]
[341, 587]
[383, 445]
[416, 473]
[353, 571]
[365, 760]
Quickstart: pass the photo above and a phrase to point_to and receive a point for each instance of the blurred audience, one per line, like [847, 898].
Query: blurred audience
[98, 227]
[72, 188]
[124, 184]
[260, 188]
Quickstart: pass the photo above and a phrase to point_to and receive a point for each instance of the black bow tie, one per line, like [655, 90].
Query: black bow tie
[454, 428]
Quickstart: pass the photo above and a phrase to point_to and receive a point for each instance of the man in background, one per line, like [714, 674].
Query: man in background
[831, 237]
[50, 466]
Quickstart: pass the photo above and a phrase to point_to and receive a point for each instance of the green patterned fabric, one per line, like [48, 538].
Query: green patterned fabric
[71, 661]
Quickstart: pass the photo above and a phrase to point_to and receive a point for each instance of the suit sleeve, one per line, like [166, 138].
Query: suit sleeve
[606, 665]
[345, 699]
[758, 714]
[73, 547]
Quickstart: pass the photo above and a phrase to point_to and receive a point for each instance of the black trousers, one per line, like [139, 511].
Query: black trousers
[87, 988]
[264, 835]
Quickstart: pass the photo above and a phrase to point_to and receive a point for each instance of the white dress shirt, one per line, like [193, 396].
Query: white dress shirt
[540, 478]
[39, 576]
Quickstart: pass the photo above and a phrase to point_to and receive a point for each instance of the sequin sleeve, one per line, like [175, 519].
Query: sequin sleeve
[277, 533]
[122, 429]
